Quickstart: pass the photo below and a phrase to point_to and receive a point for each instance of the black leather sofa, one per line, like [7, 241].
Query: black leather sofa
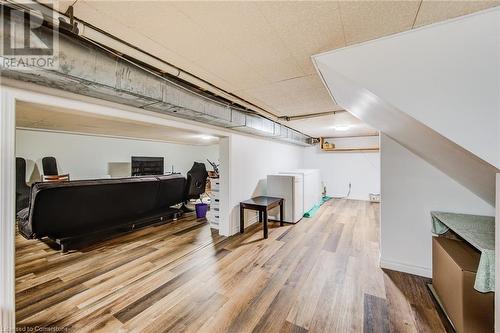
[74, 213]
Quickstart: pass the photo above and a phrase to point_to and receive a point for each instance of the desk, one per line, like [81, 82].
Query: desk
[261, 204]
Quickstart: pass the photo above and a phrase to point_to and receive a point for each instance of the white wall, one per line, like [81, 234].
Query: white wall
[355, 142]
[248, 160]
[445, 75]
[84, 156]
[225, 223]
[251, 160]
[339, 169]
[411, 188]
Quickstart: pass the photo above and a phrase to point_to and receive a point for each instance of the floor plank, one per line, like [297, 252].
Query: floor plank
[375, 315]
[320, 275]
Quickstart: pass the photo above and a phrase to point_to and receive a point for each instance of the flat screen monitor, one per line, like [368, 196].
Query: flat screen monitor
[146, 166]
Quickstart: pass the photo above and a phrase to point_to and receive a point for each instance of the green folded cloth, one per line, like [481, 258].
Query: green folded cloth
[325, 199]
[312, 211]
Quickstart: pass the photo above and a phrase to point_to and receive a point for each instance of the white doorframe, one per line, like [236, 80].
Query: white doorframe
[47, 96]
[225, 227]
[7, 210]
[497, 255]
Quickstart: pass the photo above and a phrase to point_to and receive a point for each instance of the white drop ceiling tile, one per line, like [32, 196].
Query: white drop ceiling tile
[101, 15]
[295, 96]
[271, 62]
[107, 13]
[185, 37]
[236, 23]
[291, 12]
[136, 26]
[232, 69]
[260, 50]
[365, 20]
[242, 29]
[251, 98]
[62, 5]
[165, 25]
[306, 28]
[325, 125]
[434, 11]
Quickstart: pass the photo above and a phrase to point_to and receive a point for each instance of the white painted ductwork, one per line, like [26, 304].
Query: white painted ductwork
[87, 68]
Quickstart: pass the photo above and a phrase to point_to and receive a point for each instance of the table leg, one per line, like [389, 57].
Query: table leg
[260, 216]
[242, 219]
[281, 214]
[265, 223]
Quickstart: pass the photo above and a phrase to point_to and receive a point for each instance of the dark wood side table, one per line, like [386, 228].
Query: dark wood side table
[261, 204]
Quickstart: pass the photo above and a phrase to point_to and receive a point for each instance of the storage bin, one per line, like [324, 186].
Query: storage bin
[201, 210]
[454, 267]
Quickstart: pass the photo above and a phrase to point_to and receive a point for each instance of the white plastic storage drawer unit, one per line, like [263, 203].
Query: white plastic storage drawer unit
[213, 215]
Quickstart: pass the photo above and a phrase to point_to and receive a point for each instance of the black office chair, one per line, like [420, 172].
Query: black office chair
[49, 165]
[50, 172]
[196, 182]
[22, 189]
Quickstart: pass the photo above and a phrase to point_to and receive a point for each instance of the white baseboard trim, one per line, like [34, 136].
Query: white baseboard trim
[406, 268]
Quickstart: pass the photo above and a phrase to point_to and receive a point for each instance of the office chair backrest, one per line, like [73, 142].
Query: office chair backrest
[20, 172]
[196, 181]
[49, 165]
[22, 189]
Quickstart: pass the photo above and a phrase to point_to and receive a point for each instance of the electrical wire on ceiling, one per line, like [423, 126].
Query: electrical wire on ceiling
[215, 98]
[70, 14]
[69, 25]
[159, 76]
[179, 70]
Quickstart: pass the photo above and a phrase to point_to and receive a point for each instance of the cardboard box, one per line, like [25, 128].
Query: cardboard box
[454, 267]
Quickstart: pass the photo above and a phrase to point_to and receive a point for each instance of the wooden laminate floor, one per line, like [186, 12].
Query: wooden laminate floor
[320, 275]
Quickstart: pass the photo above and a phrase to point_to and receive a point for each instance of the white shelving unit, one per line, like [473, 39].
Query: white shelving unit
[213, 215]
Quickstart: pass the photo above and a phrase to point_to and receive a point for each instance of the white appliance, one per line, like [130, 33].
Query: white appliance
[312, 186]
[290, 188]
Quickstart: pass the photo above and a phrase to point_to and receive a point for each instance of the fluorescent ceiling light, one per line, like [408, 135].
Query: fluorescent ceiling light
[341, 127]
[206, 137]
